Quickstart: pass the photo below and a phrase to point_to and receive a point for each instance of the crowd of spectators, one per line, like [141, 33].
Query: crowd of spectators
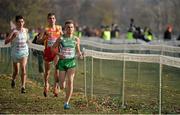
[108, 32]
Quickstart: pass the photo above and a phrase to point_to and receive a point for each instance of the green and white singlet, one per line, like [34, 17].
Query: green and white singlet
[68, 50]
[68, 46]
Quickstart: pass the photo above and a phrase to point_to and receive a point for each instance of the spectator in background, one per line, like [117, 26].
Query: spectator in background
[78, 31]
[178, 38]
[87, 31]
[133, 31]
[129, 34]
[148, 34]
[1, 36]
[167, 33]
[32, 33]
[38, 54]
[106, 34]
[132, 25]
[115, 31]
[138, 34]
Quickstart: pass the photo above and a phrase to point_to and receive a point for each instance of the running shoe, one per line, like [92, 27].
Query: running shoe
[67, 106]
[23, 90]
[13, 84]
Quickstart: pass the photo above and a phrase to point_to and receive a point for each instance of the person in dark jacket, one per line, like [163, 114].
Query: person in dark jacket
[167, 33]
[178, 38]
[38, 54]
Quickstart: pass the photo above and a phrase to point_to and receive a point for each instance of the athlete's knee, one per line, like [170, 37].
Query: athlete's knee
[15, 73]
[23, 69]
[47, 73]
[56, 80]
[62, 86]
[70, 84]
[23, 74]
[56, 66]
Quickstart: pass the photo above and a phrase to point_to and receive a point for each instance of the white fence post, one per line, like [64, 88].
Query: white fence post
[160, 86]
[100, 66]
[123, 81]
[85, 84]
[92, 75]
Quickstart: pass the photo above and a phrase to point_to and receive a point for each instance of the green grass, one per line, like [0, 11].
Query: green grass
[141, 92]
[141, 89]
[33, 102]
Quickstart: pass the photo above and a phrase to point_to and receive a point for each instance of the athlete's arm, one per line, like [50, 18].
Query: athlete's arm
[10, 37]
[28, 41]
[60, 29]
[42, 37]
[56, 45]
[78, 48]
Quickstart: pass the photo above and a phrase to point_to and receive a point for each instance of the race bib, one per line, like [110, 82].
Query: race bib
[50, 42]
[68, 53]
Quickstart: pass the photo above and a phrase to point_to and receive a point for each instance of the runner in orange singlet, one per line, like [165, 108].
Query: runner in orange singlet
[49, 36]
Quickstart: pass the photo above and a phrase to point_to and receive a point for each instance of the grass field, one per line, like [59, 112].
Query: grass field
[141, 89]
[141, 86]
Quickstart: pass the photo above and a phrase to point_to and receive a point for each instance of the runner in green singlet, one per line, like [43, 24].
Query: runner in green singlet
[69, 45]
